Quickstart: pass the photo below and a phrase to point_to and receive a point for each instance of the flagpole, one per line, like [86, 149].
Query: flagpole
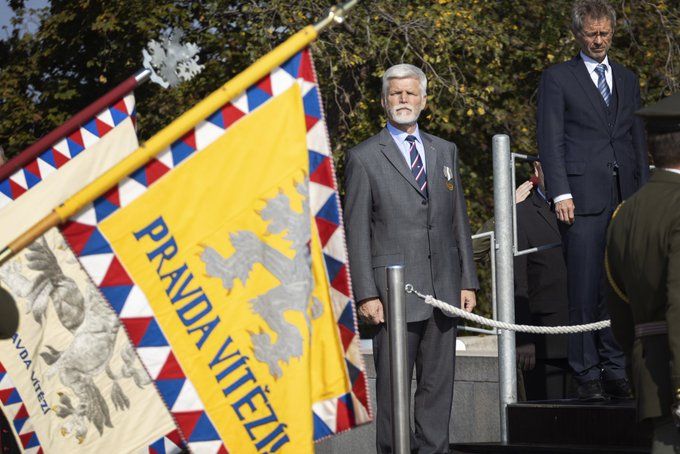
[177, 129]
[336, 14]
[73, 123]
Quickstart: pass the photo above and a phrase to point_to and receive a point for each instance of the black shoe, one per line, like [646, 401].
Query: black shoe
[590, 391]
[618, 389]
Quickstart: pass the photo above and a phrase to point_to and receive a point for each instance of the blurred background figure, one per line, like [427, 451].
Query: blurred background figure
[540, 297]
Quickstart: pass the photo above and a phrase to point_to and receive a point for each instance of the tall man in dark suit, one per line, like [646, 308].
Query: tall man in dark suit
[541, 297]
[643, 267]
[404, 205]
[593, 155]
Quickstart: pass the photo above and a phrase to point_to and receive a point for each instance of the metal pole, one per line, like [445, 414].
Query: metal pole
[538, 249]
[494, 305]
[503, 195]
[514, 205]
[396, 335]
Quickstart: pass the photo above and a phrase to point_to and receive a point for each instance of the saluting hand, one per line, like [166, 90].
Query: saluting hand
[523, 191]
[564, 209]
[371, 311]
[468, 300]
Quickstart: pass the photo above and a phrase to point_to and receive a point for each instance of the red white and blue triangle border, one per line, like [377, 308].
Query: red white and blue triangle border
[61, 152]
[95, 253]
[17, 414]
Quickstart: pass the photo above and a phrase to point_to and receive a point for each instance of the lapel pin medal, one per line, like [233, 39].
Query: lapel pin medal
[449, 178]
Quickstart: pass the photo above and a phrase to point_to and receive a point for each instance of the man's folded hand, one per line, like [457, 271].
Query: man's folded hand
[371, 311]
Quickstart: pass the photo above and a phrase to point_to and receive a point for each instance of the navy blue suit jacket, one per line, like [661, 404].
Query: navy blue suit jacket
[578, 143]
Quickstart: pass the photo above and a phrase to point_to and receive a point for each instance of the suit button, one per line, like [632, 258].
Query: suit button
[429, 256]
[424, 202]
[429, 227]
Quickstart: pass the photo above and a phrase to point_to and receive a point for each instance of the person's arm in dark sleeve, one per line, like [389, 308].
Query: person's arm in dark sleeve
[522, 312]
[462, 233]
[358, 206]
[550, 134]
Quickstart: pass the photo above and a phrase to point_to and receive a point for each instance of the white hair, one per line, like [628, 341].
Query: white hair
[404, 71]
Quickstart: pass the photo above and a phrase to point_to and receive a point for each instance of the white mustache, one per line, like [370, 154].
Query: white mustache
[407, 107]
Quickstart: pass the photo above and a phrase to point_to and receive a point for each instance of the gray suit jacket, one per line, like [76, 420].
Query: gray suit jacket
[388, 221]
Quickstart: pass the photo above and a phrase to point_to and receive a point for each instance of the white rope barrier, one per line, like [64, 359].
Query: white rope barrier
[429, 299]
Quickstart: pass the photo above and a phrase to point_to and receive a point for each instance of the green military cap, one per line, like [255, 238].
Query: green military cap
[9, 315]
[663, 116]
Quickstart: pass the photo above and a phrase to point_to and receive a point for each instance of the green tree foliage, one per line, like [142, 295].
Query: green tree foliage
[483, 59]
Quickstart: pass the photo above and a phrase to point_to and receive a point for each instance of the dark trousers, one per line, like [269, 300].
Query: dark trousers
[432, 349]
[584, 244]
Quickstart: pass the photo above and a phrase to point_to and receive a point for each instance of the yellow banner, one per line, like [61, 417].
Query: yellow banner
[225, 250]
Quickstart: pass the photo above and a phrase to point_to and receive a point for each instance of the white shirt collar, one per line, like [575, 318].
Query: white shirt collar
[400, 136]
[591, 63]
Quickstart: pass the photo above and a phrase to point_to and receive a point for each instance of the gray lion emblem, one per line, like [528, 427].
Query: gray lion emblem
[294, 275]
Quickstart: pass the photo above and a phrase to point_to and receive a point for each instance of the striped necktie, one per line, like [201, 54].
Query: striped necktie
[602, 83]
[417, 165]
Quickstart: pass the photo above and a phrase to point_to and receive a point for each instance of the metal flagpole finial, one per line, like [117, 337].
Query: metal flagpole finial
[336, 14]
[170, 61]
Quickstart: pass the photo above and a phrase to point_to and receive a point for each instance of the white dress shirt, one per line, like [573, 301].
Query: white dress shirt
[400, 136]
[591, 64]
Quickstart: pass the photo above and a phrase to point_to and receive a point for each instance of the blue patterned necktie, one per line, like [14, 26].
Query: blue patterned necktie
[417, 165]
[602, 83]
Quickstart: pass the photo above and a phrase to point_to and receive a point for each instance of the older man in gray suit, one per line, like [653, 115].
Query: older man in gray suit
[404, 205]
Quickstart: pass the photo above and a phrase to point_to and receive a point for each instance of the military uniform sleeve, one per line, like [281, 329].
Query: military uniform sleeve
[673, 305]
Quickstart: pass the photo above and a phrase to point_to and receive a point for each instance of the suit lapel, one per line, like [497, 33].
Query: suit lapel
[394, 156]
[618, 80]
[542, 208]
[578, 68]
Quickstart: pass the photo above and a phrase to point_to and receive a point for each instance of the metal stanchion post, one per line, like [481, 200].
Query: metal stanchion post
[503, 209]
[396, 334]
